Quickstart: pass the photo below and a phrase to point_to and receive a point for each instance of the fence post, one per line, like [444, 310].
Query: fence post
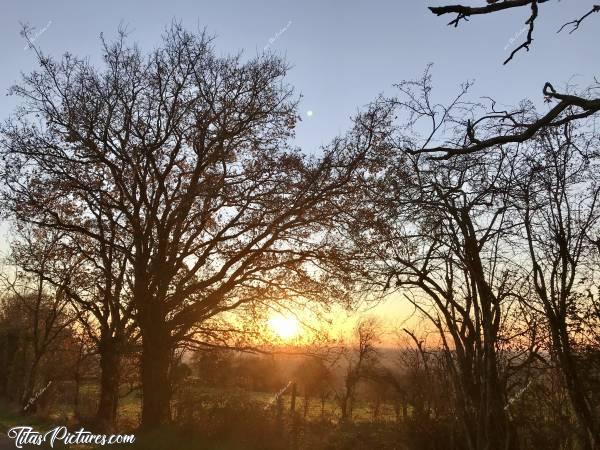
[279, 414]
[294, 424]
[293, 401]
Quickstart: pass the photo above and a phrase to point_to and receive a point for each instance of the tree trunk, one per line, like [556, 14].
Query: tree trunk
[76, 393]
[28, 393]
[376, 407]
[110, 365]
[305, 404]
[293, 399]
[350, 408]
[583, 411]
[494, 426]
[77, 379]
[344, 408]
[156, 389]
[498, 432]
[9, 348]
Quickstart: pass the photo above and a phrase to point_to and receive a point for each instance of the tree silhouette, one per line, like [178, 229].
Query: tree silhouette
[187, 155]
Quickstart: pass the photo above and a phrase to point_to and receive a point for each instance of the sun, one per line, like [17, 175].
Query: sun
[285, 327]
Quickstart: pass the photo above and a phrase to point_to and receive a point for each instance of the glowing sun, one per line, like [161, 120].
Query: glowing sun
[284, 327]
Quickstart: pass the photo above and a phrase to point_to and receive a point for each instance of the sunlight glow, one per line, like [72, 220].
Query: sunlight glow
[285, 327]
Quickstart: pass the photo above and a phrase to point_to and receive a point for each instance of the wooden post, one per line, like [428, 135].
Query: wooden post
[294, 428]
[293, 400]
[279, 406]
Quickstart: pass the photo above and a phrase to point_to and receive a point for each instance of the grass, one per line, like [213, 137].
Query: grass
[10, 416]
[198, 395]
[213, 408]
[130, 405]
[362, 411]
[174, 438]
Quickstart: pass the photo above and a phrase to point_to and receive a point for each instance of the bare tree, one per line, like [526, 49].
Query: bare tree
[558, 204]
[91, 278]
[314, 378]
[358, 359]
[481, 127]
[188, 151]
[98, 292]
[497, 127]
[455, 260]
[439, 236]
[45, 309]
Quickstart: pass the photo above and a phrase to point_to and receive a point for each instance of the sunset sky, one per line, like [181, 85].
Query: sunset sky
[343, 53]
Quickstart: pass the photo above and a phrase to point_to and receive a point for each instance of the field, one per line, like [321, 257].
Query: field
[199, 397]
[204, 416]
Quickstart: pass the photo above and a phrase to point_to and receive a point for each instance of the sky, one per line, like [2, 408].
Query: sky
[343, 52]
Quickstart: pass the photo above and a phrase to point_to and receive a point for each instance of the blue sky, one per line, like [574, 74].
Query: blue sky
[343, 53]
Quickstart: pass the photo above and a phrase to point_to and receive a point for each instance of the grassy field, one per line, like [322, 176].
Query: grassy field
[10, 416]
[197, 396]
[206, 424]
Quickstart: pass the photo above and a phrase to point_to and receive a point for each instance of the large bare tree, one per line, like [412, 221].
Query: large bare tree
[189, 152]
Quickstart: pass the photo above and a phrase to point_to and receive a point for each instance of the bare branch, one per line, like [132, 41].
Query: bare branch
[577, 22]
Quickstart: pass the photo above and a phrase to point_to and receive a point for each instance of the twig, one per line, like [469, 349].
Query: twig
[577, 22]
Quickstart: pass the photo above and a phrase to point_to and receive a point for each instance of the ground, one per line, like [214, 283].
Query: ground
[207, 418]
[5, 443]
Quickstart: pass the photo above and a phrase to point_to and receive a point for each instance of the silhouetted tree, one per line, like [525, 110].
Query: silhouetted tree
[557, 202]
[187, 153]
[91, 278]
[314, 378]
[438, 235]
[41, 309]
[357, 359]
